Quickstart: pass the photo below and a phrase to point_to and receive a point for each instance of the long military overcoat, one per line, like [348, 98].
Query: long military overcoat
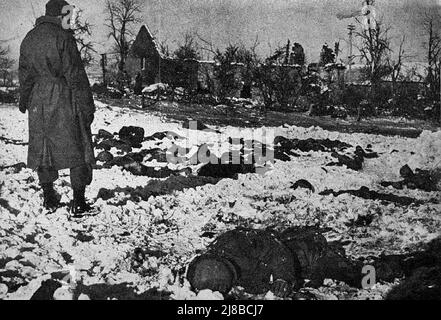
[258, 256]
[55, 90]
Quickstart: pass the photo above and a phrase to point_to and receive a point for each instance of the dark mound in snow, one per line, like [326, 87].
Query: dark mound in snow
[422, 271]
[104, 156]
[420, 179]
[365, 193]
[16, 168]
[195, 125]
[103, 134]
[157, 188]
[163, 135]
[46, 290]
[132, 135]
[423, 284]
[14, 142]
[324, 145]
[108, 144]
[283, 149]
[226, 171]
[303, 184]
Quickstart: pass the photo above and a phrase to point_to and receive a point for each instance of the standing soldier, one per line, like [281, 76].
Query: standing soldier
[138, 84]
[54, 88]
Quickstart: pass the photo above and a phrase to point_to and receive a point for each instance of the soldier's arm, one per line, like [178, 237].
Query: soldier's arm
[283, 267]
[283, 276]
[27, 80]
[76, 77]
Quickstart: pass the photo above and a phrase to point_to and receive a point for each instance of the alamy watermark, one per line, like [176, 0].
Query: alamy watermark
[370, 278]
[68, 13]
[369, 14]
[70, 280]
[256, 149]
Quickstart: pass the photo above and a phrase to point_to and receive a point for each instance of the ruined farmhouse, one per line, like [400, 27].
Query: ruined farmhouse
[145, 57]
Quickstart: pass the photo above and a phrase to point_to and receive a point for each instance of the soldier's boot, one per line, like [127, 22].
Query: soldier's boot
[79, 206]
[52, 199]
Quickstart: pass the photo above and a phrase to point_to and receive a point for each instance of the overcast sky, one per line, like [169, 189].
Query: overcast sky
[309, 22]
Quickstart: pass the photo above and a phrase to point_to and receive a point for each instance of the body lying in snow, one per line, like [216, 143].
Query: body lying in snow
[260, 260]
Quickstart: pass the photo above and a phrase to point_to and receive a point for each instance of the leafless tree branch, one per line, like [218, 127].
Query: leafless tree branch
[121, 16]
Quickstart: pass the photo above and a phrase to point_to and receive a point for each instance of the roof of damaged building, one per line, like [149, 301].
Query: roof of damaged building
[145, 44]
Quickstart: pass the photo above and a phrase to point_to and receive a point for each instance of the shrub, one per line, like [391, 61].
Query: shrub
[227, 72]
[279, 85]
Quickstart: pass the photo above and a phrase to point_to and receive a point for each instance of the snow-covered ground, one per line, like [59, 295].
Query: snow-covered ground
[100, 248]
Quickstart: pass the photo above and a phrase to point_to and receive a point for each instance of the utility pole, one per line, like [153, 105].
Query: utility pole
[351, 29]
[368, 11]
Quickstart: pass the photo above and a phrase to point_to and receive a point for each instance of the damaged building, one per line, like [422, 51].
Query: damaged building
[145, 58]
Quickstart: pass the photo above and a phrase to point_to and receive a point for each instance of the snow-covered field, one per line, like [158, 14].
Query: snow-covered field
[100, 248]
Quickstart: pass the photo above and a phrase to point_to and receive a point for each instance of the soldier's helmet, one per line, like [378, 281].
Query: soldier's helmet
[54, 8]
[212, 272]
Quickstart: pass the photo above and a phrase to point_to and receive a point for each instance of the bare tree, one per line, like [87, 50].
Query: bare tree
[396, 65]
[374, 48]
[431, 25]
[121, 16]
[6, 63]
[189, 49]
[206, 46]
[164, 48]
[83, 32]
